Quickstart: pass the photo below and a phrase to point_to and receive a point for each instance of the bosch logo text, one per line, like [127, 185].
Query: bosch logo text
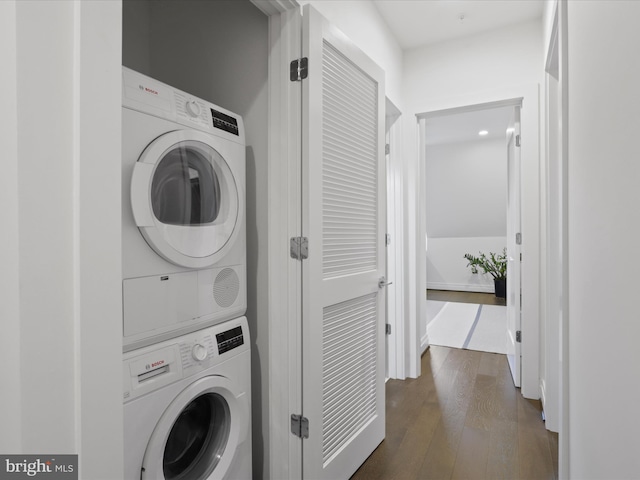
[154, 365]
[148, 90]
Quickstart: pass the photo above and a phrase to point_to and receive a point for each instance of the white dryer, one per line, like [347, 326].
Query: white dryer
[187, 406]
[183, 212]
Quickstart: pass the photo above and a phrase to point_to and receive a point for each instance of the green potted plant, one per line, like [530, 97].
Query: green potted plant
[495, 265]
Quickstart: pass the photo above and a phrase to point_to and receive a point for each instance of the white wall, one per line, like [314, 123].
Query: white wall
[504, 57]
[219, 51]
[45, 185]
[10, 340]
[361, 22]
[447, 269]
[604, 228]
[467, 189]
[64, 321]
[466, 200]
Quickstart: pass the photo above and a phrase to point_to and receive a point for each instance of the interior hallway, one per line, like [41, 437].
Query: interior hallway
[462, 419]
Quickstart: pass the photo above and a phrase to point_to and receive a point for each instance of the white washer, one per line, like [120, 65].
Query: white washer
[183, 212]
[187, 406]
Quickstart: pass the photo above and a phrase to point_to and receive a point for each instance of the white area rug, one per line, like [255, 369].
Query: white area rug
[467, 325]
[433, 308]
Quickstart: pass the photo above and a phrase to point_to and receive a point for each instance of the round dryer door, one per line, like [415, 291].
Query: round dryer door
[185, 199]
[197, 436]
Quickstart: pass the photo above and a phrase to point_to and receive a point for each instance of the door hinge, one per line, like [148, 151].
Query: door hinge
[387, 329]
[299, 426]
[299, 248]
[387, 149]
[517, 140]
[518, 238]
[299, 69]
[519, 336]
[387, 239]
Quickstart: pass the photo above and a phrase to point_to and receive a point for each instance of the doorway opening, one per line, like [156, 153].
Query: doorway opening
[472, 206]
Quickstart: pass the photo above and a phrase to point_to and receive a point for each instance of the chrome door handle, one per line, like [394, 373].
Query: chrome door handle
[383, 283]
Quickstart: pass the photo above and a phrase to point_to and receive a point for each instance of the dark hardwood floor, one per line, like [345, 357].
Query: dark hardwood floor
[465, 297]
[462, 419]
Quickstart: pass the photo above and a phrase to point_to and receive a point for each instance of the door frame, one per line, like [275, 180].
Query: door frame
[395, 365]
[556, 394]
[283, 451]
[530, 208]
[554, 224]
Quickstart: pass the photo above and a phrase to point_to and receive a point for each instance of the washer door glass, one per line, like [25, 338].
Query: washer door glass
[186, 189]
[197, 439]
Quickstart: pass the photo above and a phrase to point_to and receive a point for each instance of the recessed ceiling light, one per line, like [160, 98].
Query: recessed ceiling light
[483, 133]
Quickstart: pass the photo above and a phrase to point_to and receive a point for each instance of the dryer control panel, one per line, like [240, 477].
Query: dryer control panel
[151, 96]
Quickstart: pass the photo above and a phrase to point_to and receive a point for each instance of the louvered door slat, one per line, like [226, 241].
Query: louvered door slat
[349, 165]
[349, 370]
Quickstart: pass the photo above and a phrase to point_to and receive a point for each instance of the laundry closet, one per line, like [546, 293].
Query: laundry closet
[218, 51]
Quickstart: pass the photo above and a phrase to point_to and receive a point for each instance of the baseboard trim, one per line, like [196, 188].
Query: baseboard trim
[424, 343]
[551, 424]
[461, 287]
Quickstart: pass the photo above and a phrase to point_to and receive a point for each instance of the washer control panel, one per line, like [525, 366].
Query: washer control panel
[230, 339]
[147, 372]
[156, 366]
[224, 122]
[197, 350]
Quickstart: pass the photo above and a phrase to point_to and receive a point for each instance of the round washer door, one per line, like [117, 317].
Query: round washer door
[185, 199]
[197, 435]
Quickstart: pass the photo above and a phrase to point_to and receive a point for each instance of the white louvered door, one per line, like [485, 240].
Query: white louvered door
[344, 218]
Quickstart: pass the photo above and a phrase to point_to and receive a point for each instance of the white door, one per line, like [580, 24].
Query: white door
[513, 248]
[343, 181]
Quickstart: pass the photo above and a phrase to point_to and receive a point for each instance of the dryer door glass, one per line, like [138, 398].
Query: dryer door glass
[186, 188]
[197, 439]
[185, 198]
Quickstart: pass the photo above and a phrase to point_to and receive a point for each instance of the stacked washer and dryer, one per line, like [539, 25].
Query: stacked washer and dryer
[186, 362]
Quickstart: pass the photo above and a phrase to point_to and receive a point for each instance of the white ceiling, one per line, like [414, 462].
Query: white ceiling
[421, 22]
[464, 127]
